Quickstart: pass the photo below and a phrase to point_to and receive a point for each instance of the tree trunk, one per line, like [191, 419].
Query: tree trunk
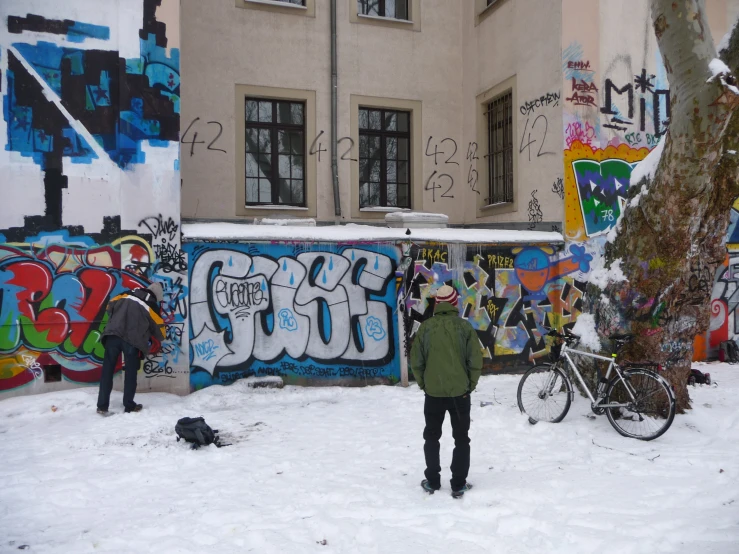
[671, 238]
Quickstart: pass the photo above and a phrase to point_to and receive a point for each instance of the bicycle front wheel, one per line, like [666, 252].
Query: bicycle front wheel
[647, 404]
[545, 394]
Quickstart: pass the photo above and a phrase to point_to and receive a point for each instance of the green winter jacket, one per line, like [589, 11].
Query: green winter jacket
[446, 358]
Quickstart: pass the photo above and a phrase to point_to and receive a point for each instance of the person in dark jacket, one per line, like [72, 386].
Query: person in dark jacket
[446, 360]
[134, 318]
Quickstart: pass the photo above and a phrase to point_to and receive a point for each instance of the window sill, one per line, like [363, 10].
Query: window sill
[383, 209]
[496, 205]
[276, 4]
[390, 20]
[275, 207]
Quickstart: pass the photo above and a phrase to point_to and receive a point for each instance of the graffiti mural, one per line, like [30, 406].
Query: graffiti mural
[510, 295]
[55, 289]
[301, 312]
[89, 134]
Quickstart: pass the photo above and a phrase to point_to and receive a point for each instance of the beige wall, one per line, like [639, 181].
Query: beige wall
[442, 63]
[224, 46]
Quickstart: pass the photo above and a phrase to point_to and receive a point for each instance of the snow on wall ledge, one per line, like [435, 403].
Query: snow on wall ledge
[89, 154]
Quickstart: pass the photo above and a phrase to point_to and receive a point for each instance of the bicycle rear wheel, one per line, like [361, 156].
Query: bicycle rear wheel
[545, 394]
[649, 404]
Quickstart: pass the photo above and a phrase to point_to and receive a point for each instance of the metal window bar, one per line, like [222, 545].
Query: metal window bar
[500, 149]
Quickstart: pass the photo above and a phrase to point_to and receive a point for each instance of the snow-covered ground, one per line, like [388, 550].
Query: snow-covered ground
[338, 470]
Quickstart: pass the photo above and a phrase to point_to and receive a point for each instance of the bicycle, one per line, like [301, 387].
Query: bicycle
[638, 402]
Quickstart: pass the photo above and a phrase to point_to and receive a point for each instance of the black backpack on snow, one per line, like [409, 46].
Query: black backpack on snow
[194, 430]
[729, 351]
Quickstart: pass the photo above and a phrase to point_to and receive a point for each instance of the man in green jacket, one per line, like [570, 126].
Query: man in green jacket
[446, 361]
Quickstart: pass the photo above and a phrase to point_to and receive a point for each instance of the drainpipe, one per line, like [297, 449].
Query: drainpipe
[334, 115]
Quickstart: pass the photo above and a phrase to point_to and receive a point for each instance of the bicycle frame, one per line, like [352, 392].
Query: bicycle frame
[611, 367]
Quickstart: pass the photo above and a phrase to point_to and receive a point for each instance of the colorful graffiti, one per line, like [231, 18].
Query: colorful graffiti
[510, 295]
[596, 187]
[301, 312]
[52, 311]
[84, 104]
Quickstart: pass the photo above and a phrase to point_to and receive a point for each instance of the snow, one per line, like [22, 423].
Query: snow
[646, 168]
[601, 276]
[299, 222]
[359, 233]
[718, 67]
[343, 465]
[586, 330]
[724, 43]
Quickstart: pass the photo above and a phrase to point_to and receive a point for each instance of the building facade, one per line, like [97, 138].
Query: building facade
[501, 114]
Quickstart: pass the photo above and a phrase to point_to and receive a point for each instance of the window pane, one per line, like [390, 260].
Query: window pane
[402, 172]
[374, 171]
[265, 141]
[374, 147]
[363, 119]
[283, 167]
[401, 9]
[283, 112]
[252, 190]
[363, 169]
[374, 120]
[363, 146]
[363, 193]
[265, 191]
[392, 194]
[391, 148]
[403, 149]
[391, 121]
[252, 168]
[402, 122]
[297, 186]
[251, 110]
[283, 142]
[265, 112]
[265, 165]
[285, 192]
[374, 198]
[296, 140]
[403, 196]
[252, 140]
[297, 167]
[392, 172]
[297, 113]
[369, 7]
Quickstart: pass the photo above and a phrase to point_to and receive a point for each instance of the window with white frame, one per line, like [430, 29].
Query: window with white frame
[394, 9]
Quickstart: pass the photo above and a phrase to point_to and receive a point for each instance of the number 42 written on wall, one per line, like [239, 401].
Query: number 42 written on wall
[195, 140]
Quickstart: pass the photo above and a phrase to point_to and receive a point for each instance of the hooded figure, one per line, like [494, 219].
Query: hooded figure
[133, 320]
[446, 360]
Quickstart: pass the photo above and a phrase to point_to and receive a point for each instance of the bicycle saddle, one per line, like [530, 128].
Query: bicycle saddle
[621, 338]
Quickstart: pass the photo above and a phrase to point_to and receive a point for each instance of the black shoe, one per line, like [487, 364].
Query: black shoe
[425, 485]
[460, 493]
[102, 412]
[135, 408]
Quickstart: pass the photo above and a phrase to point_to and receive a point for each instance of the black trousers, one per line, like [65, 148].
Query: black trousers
[114, 346]
[434, 410]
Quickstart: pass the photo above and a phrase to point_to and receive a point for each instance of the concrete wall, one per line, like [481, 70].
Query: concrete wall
[89, 173]
[438, 65]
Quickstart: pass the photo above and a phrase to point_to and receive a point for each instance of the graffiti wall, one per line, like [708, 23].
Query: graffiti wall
[512, 295]
[310, 313]
[89, 156]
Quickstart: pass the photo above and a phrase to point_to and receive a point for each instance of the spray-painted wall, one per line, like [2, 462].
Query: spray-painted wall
[310, 313]
[338, 313]
[89, 174]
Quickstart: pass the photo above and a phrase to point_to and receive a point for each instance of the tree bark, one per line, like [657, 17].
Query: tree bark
[671, 240]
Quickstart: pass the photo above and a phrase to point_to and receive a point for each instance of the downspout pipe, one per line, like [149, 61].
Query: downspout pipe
[334, 115]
